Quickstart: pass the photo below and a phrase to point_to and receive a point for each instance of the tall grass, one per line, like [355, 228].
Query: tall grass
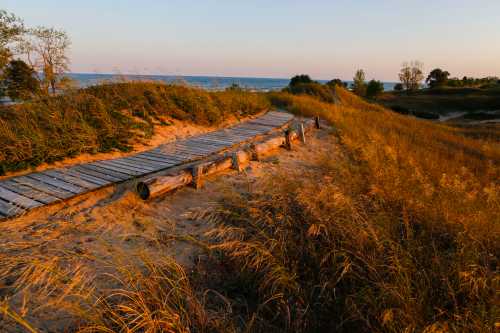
[400, 232]
[109, 116]
[395, 229]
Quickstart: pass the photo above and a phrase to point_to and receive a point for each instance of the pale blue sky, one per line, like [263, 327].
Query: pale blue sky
[273, 38]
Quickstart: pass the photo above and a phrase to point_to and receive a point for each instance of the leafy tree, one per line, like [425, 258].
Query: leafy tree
[374, 88]
[411, 75]
[359, 85]
[298, 79]
[11, 29]
[45, 49]
[437, 78]
[398, 87]
[337, 82]
[20, 81]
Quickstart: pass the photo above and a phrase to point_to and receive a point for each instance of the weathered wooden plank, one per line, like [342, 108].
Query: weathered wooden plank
[18, 199]
[254, 129]
[179, 148]
[117, 168]
[244, 135]
[262, 122]
[133, 165]
[229, 138]
[245, 131]
[167, 157]
[162, 159]
[226, 138]
[273, 125]
[260, 128]
[62, 175]
[9, 210]
[227, 132]
[203, 149]
[280, 115]
[219, 144]
[78, 174]
[101, 173]
[44, 187]
[213, 144]
[155, 164]
[181, 155]
[29, 192]
[56, 182]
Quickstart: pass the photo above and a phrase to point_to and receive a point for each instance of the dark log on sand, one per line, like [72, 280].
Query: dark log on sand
[154, 187]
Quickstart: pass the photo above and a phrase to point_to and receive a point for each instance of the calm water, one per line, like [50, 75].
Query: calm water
[206, 82]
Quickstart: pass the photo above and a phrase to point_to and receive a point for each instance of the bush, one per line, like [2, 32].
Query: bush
[20, 81]
[315, 89]
[300, 79]
[374, 89]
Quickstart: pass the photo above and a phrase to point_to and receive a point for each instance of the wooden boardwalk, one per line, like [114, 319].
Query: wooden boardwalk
[22, 193]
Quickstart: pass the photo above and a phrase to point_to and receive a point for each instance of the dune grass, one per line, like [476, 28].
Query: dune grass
[401, 233]
[108, 117]
[396, 229]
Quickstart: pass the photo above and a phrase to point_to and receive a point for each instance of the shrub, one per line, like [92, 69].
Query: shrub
[300, 79]
[20, 81]
[374, 88]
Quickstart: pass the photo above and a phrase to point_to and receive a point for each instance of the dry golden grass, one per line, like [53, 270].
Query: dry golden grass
[400, 232]
[395, 229]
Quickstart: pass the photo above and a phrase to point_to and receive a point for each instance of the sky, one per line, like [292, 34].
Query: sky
[273, 38]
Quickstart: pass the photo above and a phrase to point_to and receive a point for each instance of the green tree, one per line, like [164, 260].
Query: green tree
[337, 82]
[20, 81]
[300, 79]
[11, 29]
[411, 75]
[437, 78]
[374, 88]
[359, 85]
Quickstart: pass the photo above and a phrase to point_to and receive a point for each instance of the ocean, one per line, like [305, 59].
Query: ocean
[205, 82]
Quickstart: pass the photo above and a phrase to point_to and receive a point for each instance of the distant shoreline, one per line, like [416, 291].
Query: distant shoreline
[206, 82]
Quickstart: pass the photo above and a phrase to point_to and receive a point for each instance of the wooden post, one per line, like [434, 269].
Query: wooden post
[236, 162]
[288, 139]
[302, 133]
[240, 159]
[197, 176]
[316, 122]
